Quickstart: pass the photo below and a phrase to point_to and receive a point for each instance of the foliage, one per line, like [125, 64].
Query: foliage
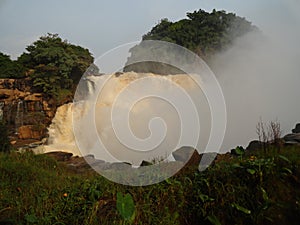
[256, 189]
[4, 140]
[9, 68]
[202, 32]
[125, 206]
[54, 64]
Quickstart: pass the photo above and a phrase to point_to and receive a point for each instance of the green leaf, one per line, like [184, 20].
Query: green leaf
[214, 220]
[31, 218]
[239, 151]
[284, 158]
[265, 195]
[125, 206]
[205, 198]
[251, 171]
[287, 170]
[241, 208]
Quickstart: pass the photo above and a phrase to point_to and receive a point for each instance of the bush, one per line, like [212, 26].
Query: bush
[4, 140]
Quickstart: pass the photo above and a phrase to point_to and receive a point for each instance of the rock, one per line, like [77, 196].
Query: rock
[33, 97]
[183, 154]
[60, 156]
[297, 128]
[29, 132]
[255, 145]
[187, 155]
[292, 138]
[146, 163]
[119, 166]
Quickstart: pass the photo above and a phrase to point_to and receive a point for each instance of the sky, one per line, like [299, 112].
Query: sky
[101, 25]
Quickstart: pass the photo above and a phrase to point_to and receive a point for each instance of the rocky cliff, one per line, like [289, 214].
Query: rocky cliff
[27, 114]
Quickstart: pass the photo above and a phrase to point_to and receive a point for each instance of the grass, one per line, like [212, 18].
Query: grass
[258, 188]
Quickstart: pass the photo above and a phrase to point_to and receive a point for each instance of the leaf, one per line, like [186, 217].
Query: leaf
[265, 195]
[125, 206]
[284, 158]
[205, 198]
[241, 208]
[214, 220]
[239, 151]
[287, 170]
[237, 165]
[31, 218]
[251, 171]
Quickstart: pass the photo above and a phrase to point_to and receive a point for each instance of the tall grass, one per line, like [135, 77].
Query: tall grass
[258, 188]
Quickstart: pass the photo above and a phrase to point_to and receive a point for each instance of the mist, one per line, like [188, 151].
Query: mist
[259, 76]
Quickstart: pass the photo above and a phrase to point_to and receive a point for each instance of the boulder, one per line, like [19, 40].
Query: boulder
[146, 163]
[183, 154]
[187, 155]
[255, 145]
[119, 166]
[292, 138]
[297, 128]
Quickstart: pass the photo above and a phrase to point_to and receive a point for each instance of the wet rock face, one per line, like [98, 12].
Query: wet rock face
[27, 114]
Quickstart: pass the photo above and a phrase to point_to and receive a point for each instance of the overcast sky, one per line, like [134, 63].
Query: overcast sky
[100, 25]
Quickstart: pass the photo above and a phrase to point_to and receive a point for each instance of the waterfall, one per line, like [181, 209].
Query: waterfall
[98, 113]
[19, 114]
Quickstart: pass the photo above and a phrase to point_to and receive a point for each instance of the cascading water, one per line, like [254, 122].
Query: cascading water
[19, 114]
[96, 111]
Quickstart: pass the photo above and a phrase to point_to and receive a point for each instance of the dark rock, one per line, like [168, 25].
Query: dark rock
[146, 163]
[255, 145]
[187, 155]
[119, 166]
[297, 128]
[183, 154]
[292, 138]
[60, 156]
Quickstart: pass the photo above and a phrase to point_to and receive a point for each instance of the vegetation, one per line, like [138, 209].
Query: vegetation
[4, 140]
[55, 65]
[202, 32]
[258, 188]
[9, 68]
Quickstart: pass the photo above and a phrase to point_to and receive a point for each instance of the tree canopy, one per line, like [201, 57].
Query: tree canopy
[9, 68]
[54, 64]
[202, 32]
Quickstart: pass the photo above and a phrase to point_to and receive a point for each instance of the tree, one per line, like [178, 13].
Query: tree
[202, 32]
[9, 68]
[54, 64]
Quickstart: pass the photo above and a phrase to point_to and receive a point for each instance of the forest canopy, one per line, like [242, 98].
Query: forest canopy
[201, 32]
[53, 65]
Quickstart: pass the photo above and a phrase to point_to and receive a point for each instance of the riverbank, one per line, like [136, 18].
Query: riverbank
[258, 188]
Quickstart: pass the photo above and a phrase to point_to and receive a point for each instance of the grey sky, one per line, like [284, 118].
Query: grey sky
[101, 24]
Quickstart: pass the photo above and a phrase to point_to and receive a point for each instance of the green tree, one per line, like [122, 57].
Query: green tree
[55, 65]
[9, 68]
[202, 32]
